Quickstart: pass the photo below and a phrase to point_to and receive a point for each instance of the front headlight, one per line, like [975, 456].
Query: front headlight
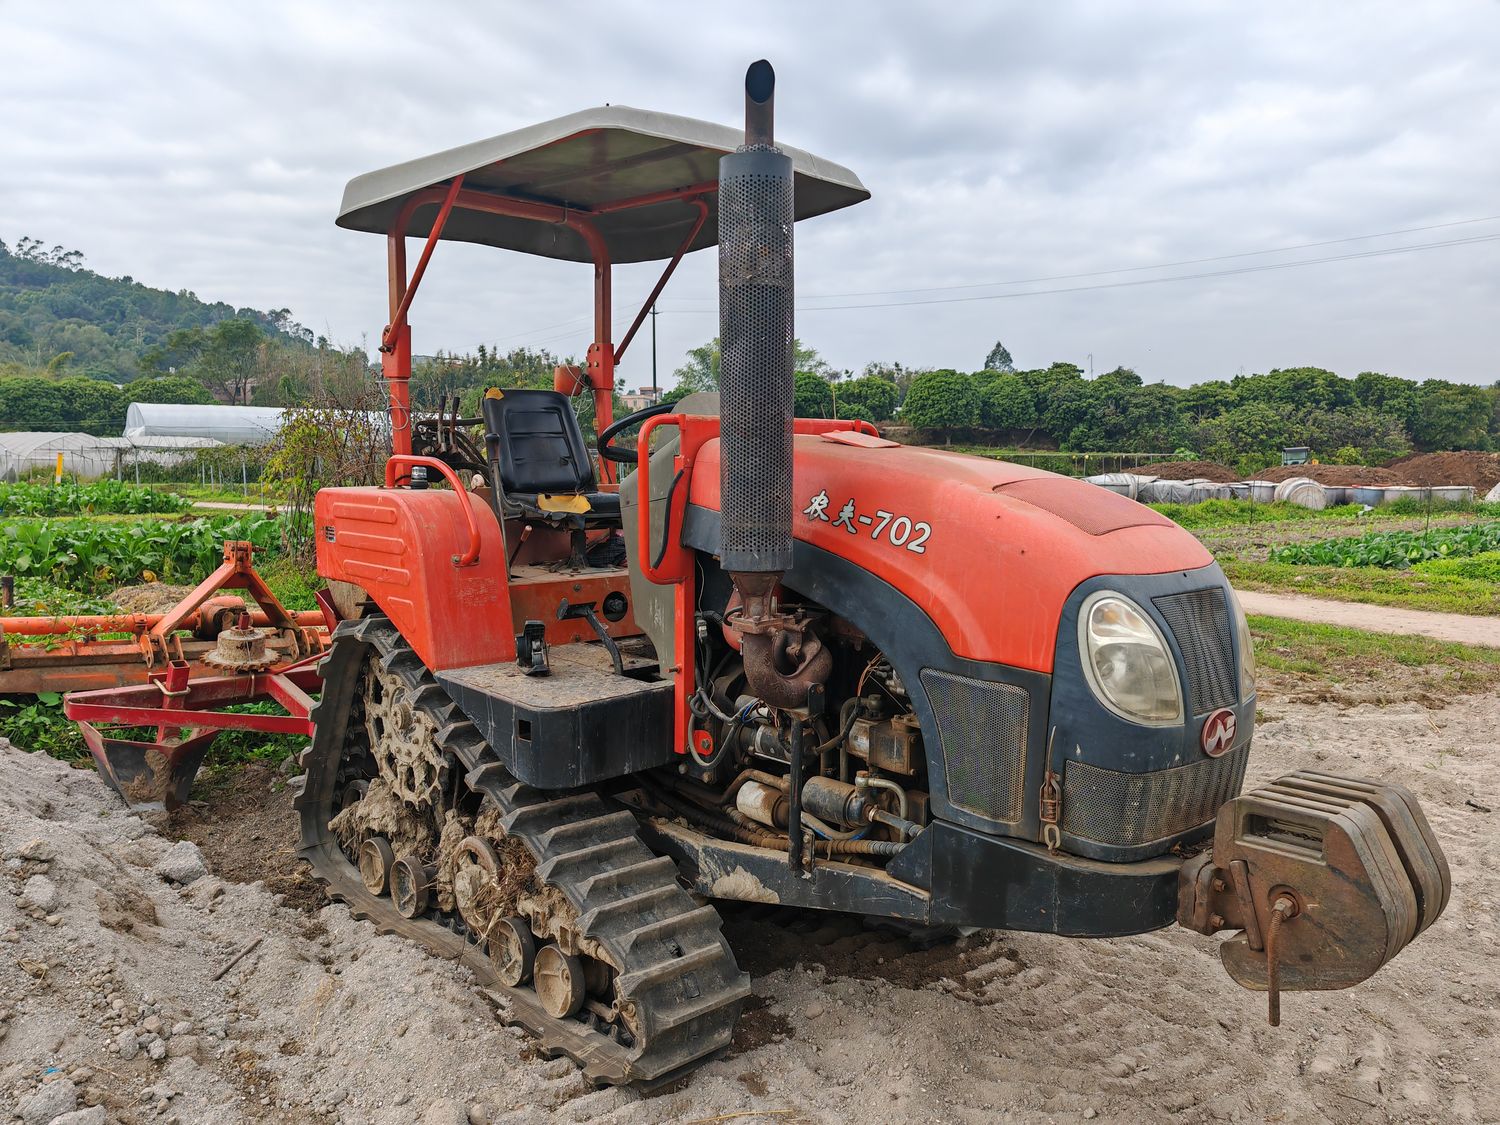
[1246, 646]
[1126, 660]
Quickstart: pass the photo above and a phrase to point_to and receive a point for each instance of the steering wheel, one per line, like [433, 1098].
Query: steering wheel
[623, 454]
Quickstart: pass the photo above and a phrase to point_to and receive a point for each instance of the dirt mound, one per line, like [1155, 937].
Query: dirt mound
[150, 597]
[1189, 470]
[108, 996]
[1339, 476]
[1479, 470]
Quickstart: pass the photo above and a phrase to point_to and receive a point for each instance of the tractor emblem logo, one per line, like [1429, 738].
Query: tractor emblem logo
[1218, 732]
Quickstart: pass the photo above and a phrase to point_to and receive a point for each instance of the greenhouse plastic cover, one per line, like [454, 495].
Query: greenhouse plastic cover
[86, 455]
[232, 425]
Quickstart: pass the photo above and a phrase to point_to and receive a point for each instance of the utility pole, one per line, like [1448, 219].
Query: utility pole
[654, 394]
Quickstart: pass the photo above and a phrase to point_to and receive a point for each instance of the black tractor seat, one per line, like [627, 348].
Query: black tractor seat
[535, 444]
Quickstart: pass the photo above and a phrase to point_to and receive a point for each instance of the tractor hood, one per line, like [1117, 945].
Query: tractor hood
[989, 550]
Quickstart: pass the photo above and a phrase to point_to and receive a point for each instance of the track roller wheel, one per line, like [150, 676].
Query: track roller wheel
[559, 982]
[411, 886]
[512, 949]
[476, 870]
[375, 862]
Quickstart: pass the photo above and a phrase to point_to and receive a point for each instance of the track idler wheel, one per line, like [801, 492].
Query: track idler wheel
[560, 984]
[512, 949]
[411, 886]
[375, 862]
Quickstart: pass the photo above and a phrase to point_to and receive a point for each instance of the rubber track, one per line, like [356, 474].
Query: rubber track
[675, 966]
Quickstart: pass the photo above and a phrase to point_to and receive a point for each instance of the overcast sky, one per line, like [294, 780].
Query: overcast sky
[205, 146]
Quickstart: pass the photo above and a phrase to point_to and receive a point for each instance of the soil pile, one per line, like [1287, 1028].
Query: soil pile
[1481, 471]
[149, 597]
[111, 936]
[1190, 470]
[1339, 476]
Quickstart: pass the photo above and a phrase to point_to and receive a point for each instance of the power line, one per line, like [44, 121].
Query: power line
[1151, 280]
[1162, 265]
[1159, 265]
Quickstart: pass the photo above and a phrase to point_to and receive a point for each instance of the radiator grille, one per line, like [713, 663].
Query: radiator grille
[1131, 809]
[983, 727]
[1199, 620]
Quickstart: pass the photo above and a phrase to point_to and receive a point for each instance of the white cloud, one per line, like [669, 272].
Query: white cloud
[206, 147]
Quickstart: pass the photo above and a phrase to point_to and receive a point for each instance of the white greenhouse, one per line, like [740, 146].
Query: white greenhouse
[88, 457]
[231, 425]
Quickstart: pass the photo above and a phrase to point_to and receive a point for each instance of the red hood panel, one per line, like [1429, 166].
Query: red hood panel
[988, 549]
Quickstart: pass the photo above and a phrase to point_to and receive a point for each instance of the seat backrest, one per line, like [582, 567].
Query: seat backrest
[540, 443]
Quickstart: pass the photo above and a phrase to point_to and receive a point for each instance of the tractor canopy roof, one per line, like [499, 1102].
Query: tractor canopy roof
[631, 170]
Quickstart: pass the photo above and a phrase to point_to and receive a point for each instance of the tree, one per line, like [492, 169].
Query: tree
[1006, 403]
[999, 359]
[171, 388]
[805, 358]
[814, 396]
[229, 359]
[1206, 400]
[877, 398]
[1451, 416]
[1121, 376]
[1253, 427]
[1298, 387]
[1387, 394]
[941, 400]
[700, 372]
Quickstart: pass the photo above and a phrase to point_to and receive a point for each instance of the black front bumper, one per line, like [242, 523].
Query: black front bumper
[949, 875]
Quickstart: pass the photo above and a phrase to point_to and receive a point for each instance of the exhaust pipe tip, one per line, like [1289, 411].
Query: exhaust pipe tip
[760, 103]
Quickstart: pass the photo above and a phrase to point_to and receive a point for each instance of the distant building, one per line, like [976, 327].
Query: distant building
[639, 400]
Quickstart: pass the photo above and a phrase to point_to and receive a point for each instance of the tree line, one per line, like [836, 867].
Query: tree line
[76, 348]
[1243, 421]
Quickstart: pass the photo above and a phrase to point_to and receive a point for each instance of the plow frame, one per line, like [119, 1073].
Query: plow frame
[187, 717]
[70, 657]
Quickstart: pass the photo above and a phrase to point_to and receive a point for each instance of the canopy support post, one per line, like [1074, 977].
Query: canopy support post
[395, 341]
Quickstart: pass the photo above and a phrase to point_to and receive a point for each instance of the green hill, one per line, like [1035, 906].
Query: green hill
[50, 304]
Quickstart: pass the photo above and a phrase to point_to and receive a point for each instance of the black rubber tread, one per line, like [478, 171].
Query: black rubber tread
[675, 968]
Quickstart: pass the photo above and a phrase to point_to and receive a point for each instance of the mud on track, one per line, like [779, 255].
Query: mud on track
[326, 1022]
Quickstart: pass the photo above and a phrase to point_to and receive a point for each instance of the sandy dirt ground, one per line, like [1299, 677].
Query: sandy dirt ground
[111, 935]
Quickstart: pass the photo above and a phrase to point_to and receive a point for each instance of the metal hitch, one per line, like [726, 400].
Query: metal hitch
[1326, 878]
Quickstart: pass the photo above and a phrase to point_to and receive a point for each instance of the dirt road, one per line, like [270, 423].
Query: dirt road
[106, 967]
[1375, 618]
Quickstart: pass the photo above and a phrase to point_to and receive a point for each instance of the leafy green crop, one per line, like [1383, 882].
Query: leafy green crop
[41, 725]
[71, 498]
[1394, 549]
[91, 556]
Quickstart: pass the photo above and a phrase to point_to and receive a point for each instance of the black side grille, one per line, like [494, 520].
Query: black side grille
[1132, 809]
[1199, 620]
[983, 728]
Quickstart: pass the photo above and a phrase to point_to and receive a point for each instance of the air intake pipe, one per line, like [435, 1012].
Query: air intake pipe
[756, 397]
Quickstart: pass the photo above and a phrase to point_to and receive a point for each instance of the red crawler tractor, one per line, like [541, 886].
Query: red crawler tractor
[781, 660]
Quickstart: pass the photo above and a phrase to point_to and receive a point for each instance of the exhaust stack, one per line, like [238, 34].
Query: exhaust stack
[755, 340]
[784, 659]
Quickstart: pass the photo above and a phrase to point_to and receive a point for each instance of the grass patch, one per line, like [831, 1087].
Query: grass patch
[295, 586]
[39, 724]
[1246, 513]
[198, 493]
[1330, 662]
[1416, 588]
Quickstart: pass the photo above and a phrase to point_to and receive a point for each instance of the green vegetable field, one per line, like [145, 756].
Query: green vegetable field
[1393, 549]
[97, 498]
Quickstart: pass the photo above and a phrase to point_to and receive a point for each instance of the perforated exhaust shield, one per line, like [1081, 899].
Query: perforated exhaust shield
[755, 366]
